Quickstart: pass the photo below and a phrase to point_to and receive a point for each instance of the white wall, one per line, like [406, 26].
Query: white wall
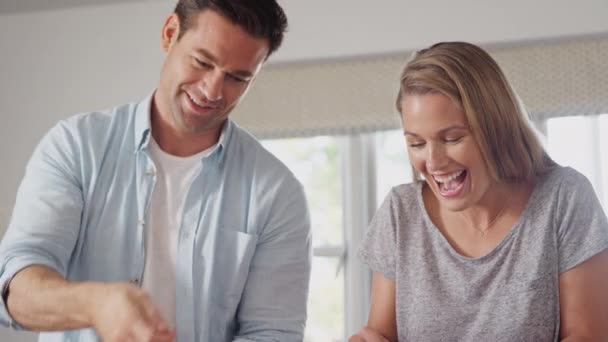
[337, 28]
[54, 64]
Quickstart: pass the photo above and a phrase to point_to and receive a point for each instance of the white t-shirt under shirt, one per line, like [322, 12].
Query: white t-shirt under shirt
[174, 175]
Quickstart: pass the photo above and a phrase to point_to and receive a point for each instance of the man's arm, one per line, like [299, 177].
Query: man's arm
[41, 300]
[45, 222]
[37, 247]
[273, 305]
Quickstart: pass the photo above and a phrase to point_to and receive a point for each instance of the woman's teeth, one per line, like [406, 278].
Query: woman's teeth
[448, 178]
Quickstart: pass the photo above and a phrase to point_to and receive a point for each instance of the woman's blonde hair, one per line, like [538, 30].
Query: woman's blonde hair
[470, 77]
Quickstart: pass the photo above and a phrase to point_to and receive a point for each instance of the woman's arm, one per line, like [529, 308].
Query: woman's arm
[584, 301]
[381, 324]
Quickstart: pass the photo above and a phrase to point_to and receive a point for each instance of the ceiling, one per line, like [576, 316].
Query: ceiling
[21, 6]
[352, 28]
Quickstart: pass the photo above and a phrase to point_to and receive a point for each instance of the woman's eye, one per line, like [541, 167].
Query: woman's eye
[453, 140]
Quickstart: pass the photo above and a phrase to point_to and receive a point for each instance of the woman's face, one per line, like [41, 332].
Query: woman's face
[443, 150]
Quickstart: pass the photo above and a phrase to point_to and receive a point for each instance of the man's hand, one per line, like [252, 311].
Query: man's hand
[123, 312]
[41, 300]
[367, 335]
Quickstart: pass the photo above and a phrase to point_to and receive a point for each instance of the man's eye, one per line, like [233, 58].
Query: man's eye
[202, 64]
[416, 145]
[236, 78]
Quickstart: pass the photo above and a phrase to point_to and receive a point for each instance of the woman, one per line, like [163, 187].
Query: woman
[493, 241]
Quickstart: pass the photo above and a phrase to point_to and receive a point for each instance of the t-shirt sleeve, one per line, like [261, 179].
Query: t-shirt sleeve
[379, 247]
[582, 225]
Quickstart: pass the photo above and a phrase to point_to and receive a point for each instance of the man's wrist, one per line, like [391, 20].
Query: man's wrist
[86, 295]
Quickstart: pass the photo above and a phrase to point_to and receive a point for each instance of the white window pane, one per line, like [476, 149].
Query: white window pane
[576, 142]
[571, 143]
[393, 165]
[326, 302]
[316, 164]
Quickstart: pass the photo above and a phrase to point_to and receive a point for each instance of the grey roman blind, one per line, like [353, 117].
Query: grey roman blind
[554, 78]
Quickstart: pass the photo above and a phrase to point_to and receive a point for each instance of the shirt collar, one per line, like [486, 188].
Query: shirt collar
[143, 128]
[142, 123]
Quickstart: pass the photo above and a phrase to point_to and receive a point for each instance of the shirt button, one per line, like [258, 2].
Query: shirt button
[150, 172]
[134, 281]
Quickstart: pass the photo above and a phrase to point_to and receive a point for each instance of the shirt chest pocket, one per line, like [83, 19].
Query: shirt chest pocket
[227, 257]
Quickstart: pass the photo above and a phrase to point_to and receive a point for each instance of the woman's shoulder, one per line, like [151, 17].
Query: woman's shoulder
[562, 185]
[403, 197]
[560, 178]
[406, 192]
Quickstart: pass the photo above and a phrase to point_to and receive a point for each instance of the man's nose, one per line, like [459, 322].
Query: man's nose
[212, 86]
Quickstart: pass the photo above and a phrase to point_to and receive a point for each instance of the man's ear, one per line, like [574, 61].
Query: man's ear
[170, 32]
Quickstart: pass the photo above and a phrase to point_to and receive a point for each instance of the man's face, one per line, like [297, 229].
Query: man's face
[206, 71]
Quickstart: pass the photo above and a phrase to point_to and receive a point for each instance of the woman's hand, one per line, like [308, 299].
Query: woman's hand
[367, 335]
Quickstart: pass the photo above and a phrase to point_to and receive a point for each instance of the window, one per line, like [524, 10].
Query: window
[582, 143]
[316, 162]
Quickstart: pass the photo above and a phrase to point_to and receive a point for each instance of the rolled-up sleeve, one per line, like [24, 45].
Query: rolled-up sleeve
[273, 305]
[46, 218]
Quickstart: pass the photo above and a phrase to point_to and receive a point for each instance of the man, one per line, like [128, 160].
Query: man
[163, 220]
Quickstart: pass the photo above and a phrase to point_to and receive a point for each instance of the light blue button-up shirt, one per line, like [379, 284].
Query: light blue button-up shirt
[244, 246]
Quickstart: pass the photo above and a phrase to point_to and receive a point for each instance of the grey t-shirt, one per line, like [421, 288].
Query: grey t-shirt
[510, 294]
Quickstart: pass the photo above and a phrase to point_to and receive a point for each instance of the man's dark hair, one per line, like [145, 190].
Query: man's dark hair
[260, 18]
